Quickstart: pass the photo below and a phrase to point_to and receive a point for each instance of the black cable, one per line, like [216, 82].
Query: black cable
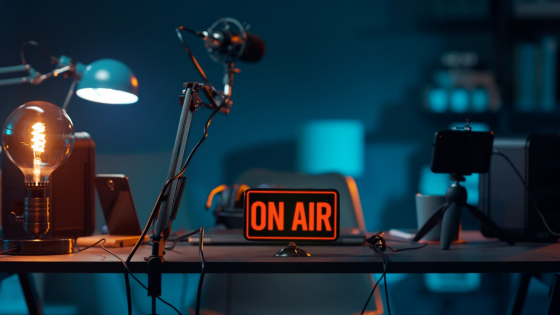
[410, 248]
[128, 295]
[184, 290]
[34, 43]
[9, 250]
[155, 210]
[202, 270]
[528, 192]
[385, 282]
[195, 62]
[376, 284]
[378, 243]
[102, 241]
[180, 238]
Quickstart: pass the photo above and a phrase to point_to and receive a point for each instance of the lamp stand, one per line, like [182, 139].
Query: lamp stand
[36, 223]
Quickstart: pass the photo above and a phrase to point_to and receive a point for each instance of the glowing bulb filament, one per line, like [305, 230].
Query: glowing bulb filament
[38, 139]
[38, 146]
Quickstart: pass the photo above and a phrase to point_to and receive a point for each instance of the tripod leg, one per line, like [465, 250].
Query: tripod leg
[488, 223]
[432, 221]
[449, 225]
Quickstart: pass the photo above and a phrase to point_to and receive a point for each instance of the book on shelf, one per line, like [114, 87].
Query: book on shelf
[548, 74]
[526, 77]
[536, 76]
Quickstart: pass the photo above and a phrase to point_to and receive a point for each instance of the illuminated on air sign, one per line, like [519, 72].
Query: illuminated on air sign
[291, 215]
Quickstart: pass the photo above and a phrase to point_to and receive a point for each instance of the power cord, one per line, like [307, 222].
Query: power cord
[43, 51]
[201, 254]
[8, 251]
[528, 191]
[195, 62]
[379, 245]
[102, 241]
[155, 210]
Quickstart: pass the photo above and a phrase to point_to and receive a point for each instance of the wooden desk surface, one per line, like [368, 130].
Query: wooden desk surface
[478, 255]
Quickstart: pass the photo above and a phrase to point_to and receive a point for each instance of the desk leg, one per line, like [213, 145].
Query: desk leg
[554, 296]
[522, 285]
[32, 299]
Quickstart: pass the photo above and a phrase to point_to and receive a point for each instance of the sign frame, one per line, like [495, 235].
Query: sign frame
[307, 195]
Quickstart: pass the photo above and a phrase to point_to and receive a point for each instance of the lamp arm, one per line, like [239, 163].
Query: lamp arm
[20, 68]
[34, 77]
[69, 95]
[21, 80]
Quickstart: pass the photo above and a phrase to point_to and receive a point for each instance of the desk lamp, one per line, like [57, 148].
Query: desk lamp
[105, 81]
[37, 137]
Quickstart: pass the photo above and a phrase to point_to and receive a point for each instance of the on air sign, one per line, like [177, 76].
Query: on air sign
[291, 215]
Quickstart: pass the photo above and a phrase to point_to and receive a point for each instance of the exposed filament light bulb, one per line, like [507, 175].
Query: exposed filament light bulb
[37, 137]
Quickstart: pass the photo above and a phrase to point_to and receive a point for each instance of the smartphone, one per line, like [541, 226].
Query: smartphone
[117, 204]
[462, 152]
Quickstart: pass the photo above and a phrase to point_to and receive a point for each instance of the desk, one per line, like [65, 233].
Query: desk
[478, 255]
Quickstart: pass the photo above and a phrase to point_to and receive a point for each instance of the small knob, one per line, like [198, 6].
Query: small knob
[155, 264]
[14, 218]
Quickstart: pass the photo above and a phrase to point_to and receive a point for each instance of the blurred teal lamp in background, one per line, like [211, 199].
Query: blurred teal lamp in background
[332, 145]
[105, 81]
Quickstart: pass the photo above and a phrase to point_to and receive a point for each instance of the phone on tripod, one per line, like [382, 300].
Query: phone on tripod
[462, 152]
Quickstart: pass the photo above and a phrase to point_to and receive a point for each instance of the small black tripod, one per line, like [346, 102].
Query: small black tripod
[449, 214]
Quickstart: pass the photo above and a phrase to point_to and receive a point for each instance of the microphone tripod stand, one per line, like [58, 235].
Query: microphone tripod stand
[449, 214]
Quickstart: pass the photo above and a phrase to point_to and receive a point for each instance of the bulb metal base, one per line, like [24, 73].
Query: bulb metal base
[39, 247]
[36, 216]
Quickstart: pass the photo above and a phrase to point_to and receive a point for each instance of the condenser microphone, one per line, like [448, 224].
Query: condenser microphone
[229, 43]
[226, 45]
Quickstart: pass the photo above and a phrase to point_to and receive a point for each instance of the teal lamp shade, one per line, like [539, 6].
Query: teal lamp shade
[108, 81]
[335, 145]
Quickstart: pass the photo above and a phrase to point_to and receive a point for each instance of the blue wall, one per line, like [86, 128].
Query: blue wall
[366, 60]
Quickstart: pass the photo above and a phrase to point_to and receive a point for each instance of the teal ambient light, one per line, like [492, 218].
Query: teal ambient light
[332, 145]
[108, 81]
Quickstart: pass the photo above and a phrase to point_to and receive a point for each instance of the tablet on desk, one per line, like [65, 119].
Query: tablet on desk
[119, 212]
[348, 236]
[117, 204]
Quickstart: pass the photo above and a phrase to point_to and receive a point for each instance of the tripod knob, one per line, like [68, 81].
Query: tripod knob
[456, 194]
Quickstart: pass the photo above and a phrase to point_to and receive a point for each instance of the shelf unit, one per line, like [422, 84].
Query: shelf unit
[507, 29]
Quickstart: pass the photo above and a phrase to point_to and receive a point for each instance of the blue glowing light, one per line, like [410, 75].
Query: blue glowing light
[332, 146]
[437, 100]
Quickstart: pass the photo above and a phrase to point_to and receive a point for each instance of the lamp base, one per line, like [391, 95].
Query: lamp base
[39, 247]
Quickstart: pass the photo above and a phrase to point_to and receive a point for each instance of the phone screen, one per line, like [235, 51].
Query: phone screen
[462, 152]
